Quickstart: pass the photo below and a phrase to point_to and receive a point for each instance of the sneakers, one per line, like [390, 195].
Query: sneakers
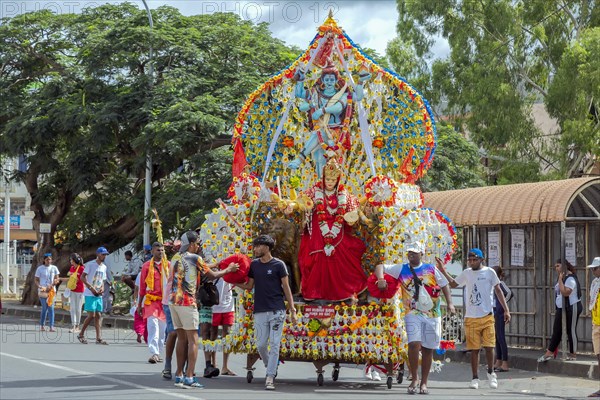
[375, 375]
[211, 372]
[269, 384]
[179, 381]
[493, 379]
[368, 375]
[191, 383]
[474, 384]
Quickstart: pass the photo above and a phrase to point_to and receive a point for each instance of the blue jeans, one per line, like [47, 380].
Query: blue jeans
[268, 329]
[47, 310]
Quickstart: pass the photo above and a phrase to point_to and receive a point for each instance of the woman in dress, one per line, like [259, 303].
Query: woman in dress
[330, 255]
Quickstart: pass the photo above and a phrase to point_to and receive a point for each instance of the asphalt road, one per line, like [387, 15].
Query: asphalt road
[43, 365]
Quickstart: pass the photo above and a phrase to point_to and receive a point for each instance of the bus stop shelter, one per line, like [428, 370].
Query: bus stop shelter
[523, 228]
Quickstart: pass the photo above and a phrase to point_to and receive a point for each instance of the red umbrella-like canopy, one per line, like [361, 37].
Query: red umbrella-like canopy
[241, 275]
[392, 286]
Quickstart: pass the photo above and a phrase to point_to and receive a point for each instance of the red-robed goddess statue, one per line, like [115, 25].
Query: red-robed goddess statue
[330, 255]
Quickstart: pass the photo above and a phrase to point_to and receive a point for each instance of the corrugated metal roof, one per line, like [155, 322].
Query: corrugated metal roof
[524, 203]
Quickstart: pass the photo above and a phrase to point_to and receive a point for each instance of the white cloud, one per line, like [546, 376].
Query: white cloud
[369, 23]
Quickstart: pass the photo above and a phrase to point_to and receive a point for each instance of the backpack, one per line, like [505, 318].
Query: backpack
[207, 294]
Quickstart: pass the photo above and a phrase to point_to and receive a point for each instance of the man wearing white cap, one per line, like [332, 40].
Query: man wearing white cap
[421, 284]
[594, 306]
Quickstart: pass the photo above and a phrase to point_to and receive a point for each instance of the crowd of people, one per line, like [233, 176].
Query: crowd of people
[167, 316]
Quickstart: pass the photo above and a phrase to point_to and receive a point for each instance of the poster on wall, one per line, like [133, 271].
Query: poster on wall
[570, 252]
[493, 249]
[517, 247]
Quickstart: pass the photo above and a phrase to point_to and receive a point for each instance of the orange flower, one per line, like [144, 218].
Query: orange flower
[378, 142]
[288, 141]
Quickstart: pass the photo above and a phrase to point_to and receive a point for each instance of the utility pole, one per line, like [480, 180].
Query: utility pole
[7, 188]
[148, 183]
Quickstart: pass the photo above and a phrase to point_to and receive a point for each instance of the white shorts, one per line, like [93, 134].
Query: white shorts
[427, 330]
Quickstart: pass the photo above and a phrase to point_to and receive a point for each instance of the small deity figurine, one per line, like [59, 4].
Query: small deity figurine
[330, 255]
[329, 103]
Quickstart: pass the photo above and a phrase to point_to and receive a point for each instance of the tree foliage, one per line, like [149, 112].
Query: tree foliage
[79, 102]
[456, 164]
[505, 56]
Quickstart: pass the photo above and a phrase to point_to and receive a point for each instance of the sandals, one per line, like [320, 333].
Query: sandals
[82, 340]
[423, 389]
[166, 374]
[412, 389]
[154, 359]
[544, 358]
[100, 341]
[229, 373]
[500, 369]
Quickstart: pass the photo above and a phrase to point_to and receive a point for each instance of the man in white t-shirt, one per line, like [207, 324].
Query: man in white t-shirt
[93, 277]
[480, 282]
[423, 326]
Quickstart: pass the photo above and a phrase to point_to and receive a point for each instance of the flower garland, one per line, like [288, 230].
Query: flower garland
[381, 190]
[236, 189]
[373, 332]
[330, 234]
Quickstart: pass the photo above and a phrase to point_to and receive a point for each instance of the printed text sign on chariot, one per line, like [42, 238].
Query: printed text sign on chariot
[319, 312]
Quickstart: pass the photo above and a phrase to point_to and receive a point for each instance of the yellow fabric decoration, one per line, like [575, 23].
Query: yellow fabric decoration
[150, 279]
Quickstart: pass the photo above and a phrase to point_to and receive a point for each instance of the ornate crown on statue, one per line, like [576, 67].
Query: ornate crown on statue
[332, 168]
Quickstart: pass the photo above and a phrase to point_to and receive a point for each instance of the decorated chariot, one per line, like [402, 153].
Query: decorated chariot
[326, 155]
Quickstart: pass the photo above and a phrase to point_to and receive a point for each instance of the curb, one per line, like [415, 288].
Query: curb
[63, 317]
[578, 369]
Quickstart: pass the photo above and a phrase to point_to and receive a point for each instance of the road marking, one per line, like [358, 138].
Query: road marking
[106, 378]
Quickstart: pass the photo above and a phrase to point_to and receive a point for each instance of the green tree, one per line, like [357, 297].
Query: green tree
[506, 56]
[78, 101]
[456, 164]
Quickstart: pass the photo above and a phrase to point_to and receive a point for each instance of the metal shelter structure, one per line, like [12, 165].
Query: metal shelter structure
[525, 228]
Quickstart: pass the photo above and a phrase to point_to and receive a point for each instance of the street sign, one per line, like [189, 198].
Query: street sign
[45, 228]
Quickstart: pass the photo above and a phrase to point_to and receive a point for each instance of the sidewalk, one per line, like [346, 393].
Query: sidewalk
[525, 359]
[586, 366]
[13, 307]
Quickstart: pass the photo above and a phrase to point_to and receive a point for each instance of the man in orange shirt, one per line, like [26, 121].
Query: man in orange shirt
[154, 274]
